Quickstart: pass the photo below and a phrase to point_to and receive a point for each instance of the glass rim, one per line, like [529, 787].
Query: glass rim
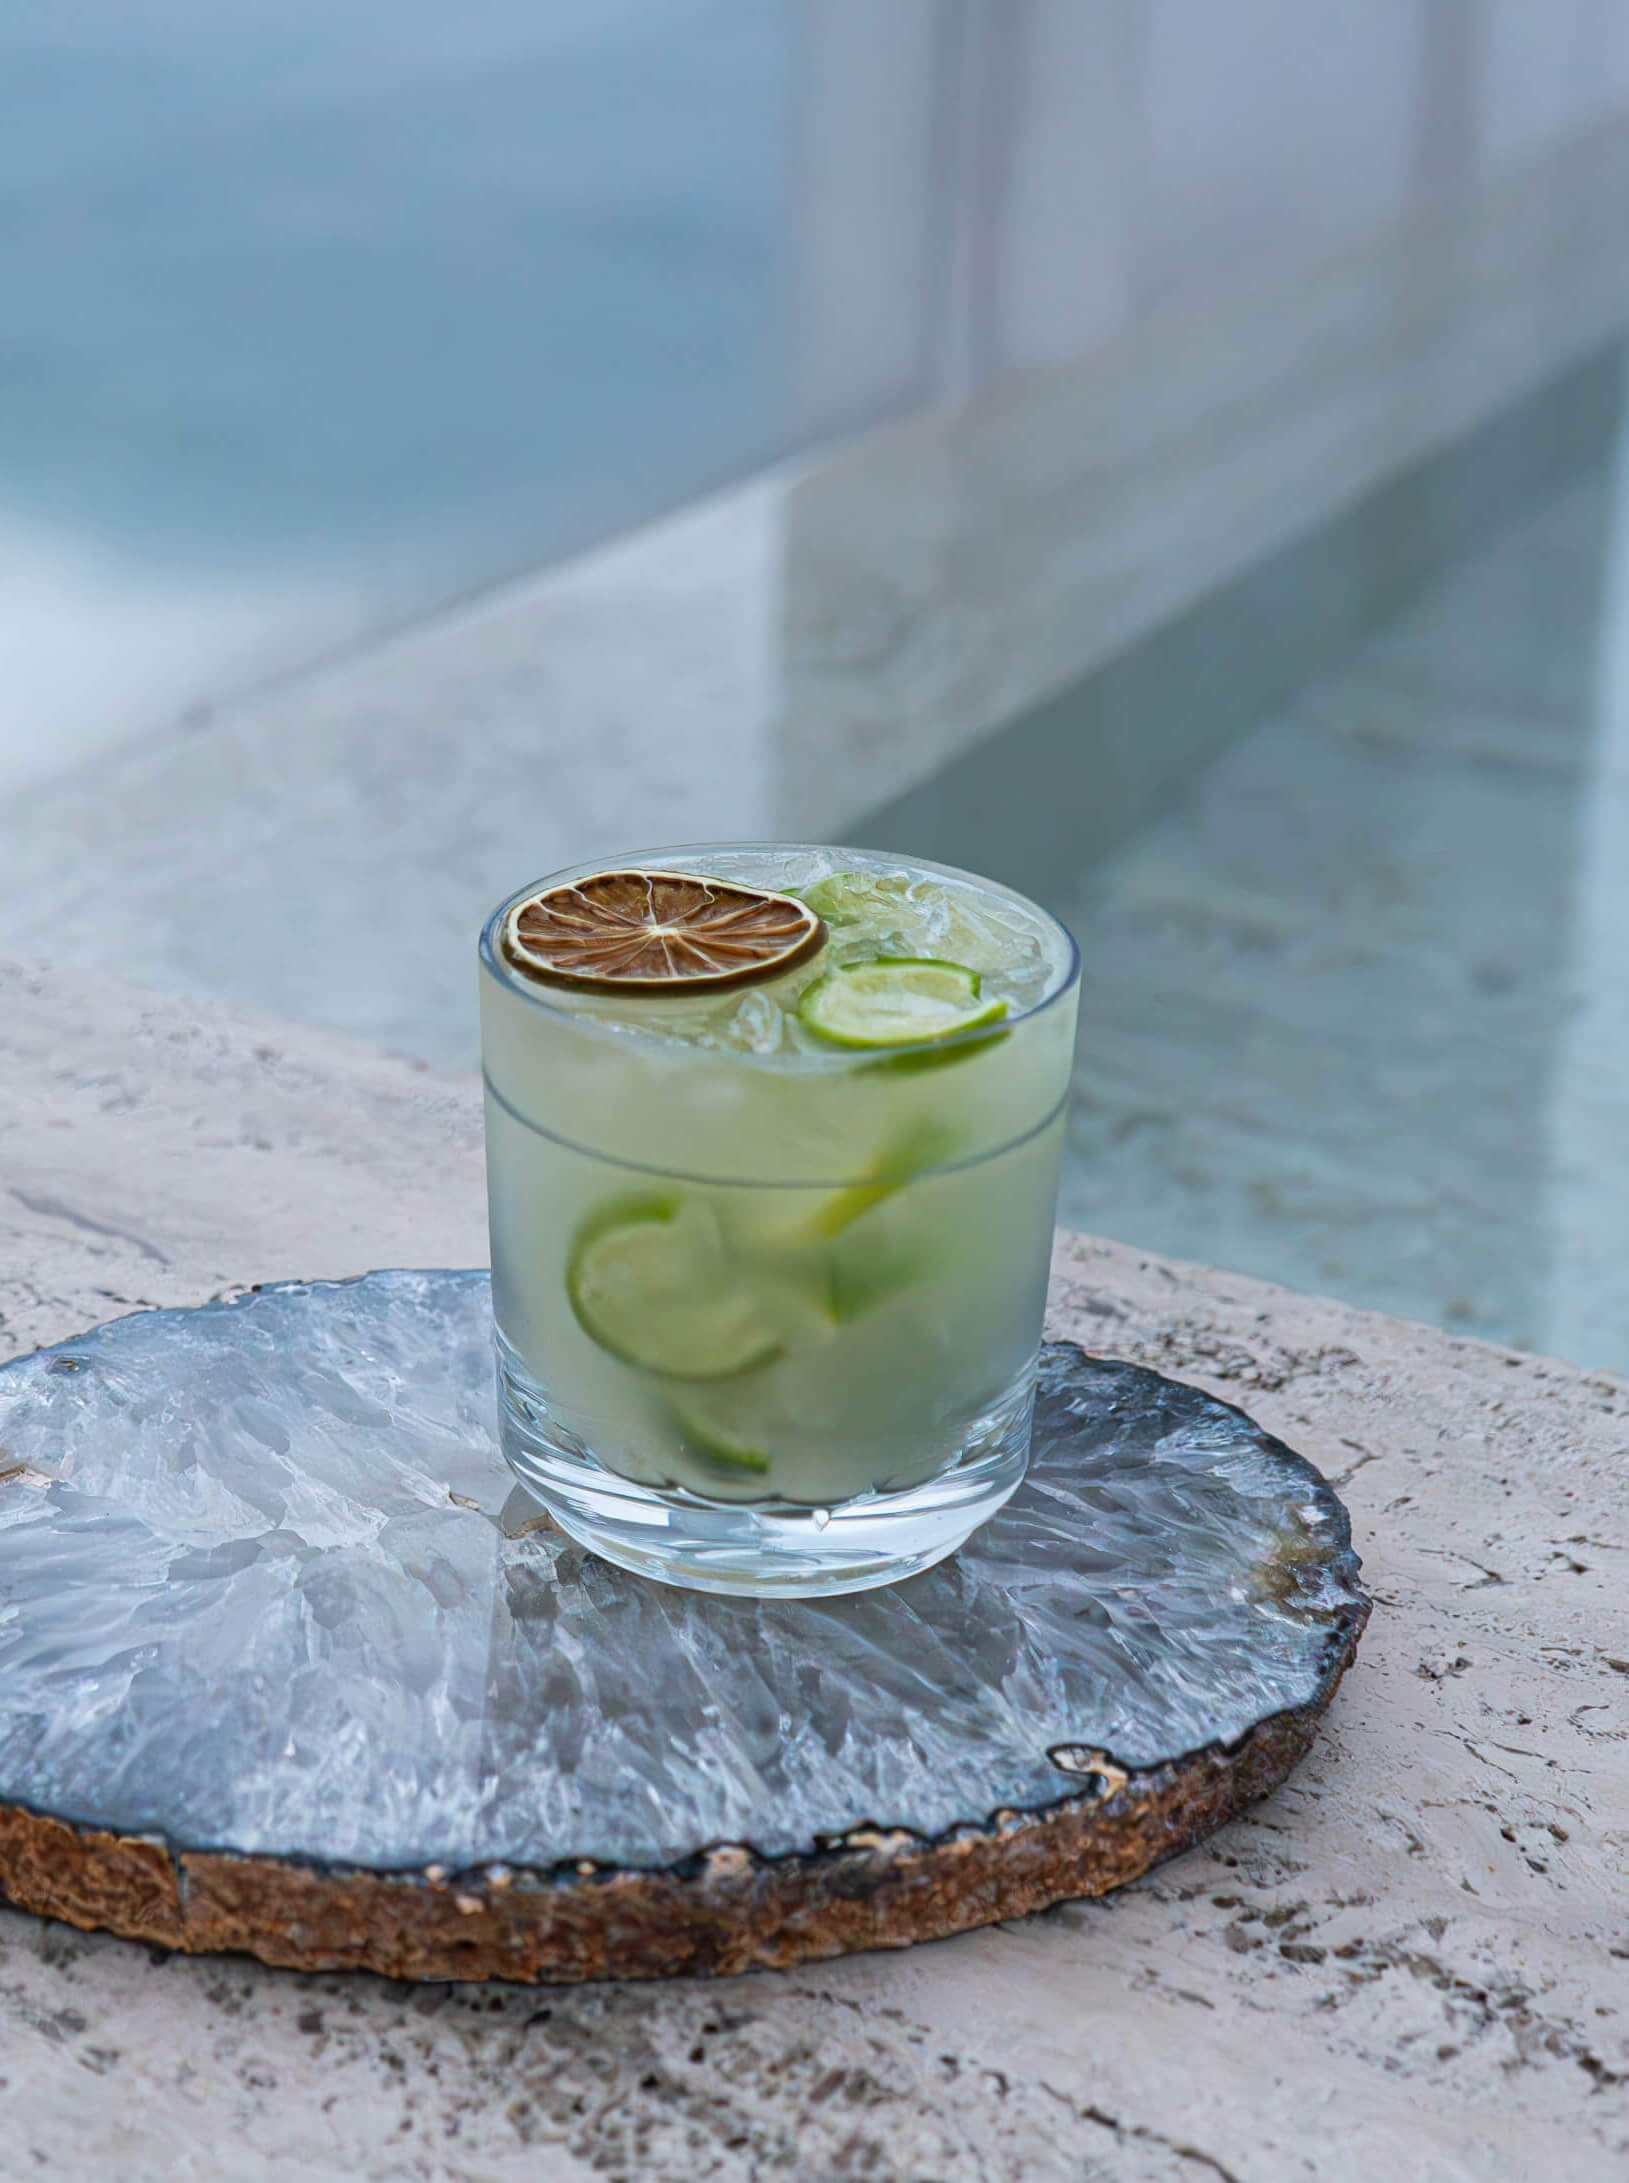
[664, 858]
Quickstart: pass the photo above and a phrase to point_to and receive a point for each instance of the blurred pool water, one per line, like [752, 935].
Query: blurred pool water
[313, 314]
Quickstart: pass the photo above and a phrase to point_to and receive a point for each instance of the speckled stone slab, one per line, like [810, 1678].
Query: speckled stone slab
[286, 1666]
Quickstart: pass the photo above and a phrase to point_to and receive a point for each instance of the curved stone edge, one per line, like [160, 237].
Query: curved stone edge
[724, 1911]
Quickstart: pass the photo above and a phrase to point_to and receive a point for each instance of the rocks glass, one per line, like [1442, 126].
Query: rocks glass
[773, 1137]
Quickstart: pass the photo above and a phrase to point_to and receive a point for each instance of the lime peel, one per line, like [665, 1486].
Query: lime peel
[707, 1446]
[896, 1001]
[649, 1282]
[925, 1144]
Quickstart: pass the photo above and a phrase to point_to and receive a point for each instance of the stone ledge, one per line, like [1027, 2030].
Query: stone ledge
[1415, 1952]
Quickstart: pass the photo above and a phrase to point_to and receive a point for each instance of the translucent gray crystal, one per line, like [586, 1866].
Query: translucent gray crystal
[258, 1592]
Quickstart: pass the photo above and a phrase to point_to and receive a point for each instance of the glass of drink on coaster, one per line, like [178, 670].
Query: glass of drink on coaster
[773, 1137]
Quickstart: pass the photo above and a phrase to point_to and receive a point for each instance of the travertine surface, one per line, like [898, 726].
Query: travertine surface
[1415, 1956]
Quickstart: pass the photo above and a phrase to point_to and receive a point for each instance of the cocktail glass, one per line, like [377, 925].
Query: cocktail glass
[768, 1301]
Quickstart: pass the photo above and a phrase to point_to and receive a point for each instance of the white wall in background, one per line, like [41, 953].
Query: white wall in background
[1100, 160]
[1267, 135]
[872, 88]
[1549, 68]
[1050, 125]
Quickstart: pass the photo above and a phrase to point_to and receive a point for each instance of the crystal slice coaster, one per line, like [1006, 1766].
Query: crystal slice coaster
[286, 1666]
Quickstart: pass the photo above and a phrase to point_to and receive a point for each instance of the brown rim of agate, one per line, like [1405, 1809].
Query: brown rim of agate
[596, 934]
[726, 1909]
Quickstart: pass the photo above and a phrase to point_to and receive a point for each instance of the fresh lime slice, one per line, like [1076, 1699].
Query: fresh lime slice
[949, 1054]
[896, 1000]
[716, 1450]
[650, 1281]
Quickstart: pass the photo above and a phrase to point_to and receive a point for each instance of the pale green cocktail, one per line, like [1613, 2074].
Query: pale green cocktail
[769, 1261]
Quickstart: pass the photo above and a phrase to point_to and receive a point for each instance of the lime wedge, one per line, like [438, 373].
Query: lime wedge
[651, 1282]
[716, 1450]
[896, 1000]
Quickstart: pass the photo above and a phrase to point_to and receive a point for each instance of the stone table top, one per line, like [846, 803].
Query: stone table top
[1415, 1954]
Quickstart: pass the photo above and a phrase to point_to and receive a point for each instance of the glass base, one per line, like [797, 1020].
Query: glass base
[762, 1549]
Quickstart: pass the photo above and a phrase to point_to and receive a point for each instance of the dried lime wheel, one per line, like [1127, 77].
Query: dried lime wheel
[659, 932]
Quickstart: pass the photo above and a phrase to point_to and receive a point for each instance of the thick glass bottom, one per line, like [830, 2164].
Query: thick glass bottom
[763, 1549]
